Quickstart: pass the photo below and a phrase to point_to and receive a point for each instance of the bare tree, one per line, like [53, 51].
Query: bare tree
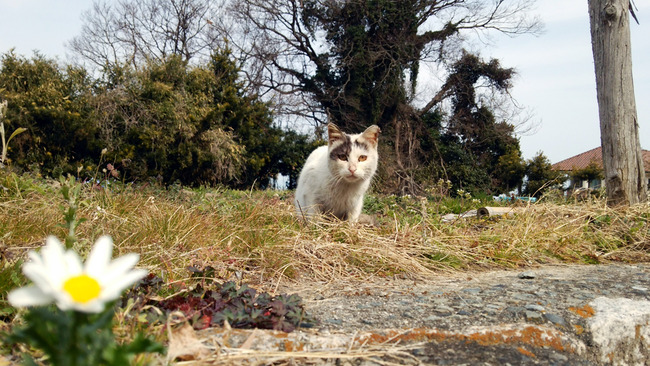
[619, 127]
[133, 31]
[290, 52]
[357, 62]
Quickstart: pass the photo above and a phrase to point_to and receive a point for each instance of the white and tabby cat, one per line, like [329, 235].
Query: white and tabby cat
[336, 177]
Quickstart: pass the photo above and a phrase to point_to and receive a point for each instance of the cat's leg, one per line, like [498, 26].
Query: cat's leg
[353, 215]
[306, 211]
[301, 209]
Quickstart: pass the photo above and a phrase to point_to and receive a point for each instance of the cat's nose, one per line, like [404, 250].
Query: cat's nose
[352, 169]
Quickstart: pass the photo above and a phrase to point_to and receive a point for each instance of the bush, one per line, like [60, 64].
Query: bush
[51, 102]
[169, 121]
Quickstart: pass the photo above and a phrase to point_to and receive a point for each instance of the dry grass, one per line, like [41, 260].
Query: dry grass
[256, 234]
[256, 237]
[226, 346]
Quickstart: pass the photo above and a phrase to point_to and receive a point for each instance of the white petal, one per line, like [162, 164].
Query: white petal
[64, 303]
[53, 249]
[99, 257]
[115, 288]
[35, 258]
[73, 264]
[89, 307]
[28, 296]
[53, 259]
[118, 268]
[40, 276]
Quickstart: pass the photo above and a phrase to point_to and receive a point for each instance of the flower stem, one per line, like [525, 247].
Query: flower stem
[77, 323]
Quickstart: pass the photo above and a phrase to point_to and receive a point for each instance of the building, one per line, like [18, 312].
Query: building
[592, 157]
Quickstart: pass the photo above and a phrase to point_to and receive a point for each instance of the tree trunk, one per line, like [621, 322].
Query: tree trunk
[619, 128]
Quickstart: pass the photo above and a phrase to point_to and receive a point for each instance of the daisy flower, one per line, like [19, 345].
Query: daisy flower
[59, 276]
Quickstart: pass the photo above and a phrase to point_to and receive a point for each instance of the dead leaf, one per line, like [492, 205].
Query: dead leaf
[249, 341]
[185, 345]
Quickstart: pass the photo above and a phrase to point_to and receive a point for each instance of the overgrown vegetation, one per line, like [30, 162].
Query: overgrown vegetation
[201, 100]
[366, 70]
[255, 239]
[169, 122]
[541, 176]
[209, 303]
[257, 234]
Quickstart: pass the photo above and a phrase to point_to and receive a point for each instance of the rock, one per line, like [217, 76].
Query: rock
[522, 296]
[620, 328]
[560, 317]
[334, 321]
[534, 307]
[517, 310]
[555, 319]
[443, 310]
[642, 290]
[472, 290]
[528, 275]
[559, 358]
[534, 316]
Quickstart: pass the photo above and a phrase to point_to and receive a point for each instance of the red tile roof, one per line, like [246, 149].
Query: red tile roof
[581, 161]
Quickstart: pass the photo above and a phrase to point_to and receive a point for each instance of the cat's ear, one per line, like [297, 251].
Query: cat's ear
[371, 134]
[334, 133]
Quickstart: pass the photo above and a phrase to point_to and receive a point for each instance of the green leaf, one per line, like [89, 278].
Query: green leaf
[17, 132]
[142, 344]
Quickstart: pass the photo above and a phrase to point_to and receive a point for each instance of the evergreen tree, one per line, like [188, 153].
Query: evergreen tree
[541, 175]
[169, 121]
[358, 62]
[51, 102]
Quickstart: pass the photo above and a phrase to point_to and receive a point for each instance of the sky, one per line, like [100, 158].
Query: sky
[555, 80]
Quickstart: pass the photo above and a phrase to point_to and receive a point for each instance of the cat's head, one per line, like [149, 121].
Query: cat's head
[353, 158]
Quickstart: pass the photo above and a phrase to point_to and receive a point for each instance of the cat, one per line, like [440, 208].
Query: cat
[336, 176]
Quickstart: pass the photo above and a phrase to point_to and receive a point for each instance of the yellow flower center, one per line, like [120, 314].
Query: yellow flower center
[82, 288]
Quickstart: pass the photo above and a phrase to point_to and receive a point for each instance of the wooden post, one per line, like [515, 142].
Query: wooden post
[619, 127]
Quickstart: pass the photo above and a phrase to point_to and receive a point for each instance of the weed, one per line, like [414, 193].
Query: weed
[10, 278]
[256, 234]
[210, 303]
[5, 140]
[253, 237]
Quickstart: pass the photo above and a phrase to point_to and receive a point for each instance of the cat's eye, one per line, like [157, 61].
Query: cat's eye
[362, 157]
[343, 157]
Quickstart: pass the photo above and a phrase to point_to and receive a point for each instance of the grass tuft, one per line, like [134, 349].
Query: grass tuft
[257, 235]
[254, 237]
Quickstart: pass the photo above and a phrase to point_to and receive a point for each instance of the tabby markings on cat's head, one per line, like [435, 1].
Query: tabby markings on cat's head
[341, 145]
[342, 148]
